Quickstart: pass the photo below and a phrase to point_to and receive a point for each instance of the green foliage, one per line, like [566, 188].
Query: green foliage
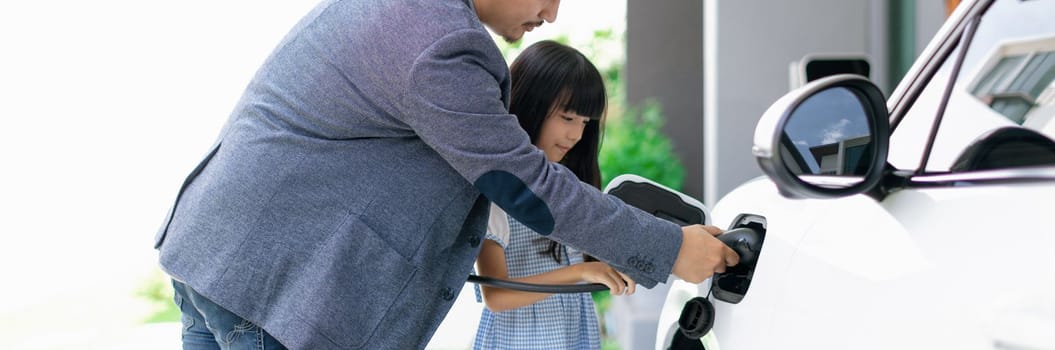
[602, 300]
[157, 290]
[634, 143]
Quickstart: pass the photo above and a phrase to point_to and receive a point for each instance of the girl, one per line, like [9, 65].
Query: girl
[559, 99]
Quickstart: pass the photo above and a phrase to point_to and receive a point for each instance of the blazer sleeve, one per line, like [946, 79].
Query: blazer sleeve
[454, 101]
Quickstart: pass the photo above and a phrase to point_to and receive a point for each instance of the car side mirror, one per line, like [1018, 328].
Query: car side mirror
[828, 138]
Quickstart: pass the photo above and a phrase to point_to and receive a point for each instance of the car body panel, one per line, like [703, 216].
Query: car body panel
[939, 258]
[919, 259]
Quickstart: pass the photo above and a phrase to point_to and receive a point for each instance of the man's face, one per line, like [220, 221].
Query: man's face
[511, 18]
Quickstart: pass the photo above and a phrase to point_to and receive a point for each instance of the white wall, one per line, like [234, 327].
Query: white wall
[105, 106]
[747, 48]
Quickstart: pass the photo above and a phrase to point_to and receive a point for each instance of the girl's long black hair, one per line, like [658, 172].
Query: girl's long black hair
[549, 75]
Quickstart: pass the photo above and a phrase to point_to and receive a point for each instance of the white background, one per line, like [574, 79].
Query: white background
[105, 107]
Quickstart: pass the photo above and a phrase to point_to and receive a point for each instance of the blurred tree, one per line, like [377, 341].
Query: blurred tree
[634, 144]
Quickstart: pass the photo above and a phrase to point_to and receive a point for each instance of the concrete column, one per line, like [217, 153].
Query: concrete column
[664, 60]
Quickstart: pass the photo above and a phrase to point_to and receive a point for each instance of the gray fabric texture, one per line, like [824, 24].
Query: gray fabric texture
[337, 209]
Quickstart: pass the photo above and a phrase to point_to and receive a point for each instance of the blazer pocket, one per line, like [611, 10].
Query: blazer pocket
[359, 277]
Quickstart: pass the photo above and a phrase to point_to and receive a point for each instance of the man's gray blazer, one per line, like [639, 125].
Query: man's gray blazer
[341, 207]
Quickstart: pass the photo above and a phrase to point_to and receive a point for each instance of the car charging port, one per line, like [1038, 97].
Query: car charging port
[746, 237]
[697, 318]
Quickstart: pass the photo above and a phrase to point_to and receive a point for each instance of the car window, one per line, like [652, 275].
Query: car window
[1006, 82]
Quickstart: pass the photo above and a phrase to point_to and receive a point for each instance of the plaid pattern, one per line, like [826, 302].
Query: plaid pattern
[561, 321]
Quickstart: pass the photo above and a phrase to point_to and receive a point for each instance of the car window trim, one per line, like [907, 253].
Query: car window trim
[938, 51]
[982, 177]
[964, 47]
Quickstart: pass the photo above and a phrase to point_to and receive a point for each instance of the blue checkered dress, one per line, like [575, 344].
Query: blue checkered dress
[561, 321]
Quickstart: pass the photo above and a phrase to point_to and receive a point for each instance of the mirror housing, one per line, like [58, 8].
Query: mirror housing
[770, 139]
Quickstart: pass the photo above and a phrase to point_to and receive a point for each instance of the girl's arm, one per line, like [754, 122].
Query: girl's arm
[492, 263]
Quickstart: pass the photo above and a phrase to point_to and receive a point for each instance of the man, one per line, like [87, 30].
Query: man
[345, 199]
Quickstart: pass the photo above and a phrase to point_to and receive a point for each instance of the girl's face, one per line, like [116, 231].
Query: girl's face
[559, 133]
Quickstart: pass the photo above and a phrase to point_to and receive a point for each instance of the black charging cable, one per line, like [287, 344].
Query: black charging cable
[744, 240]
[537, 288]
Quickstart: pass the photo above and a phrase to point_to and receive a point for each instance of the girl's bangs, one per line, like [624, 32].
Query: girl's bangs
[587, 101]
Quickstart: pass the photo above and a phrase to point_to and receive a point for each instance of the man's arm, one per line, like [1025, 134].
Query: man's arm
[455, 103]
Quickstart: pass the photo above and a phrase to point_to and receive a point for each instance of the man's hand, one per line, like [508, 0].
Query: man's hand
[701, 255]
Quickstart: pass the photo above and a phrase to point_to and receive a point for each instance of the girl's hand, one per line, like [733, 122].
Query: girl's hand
[599, 272]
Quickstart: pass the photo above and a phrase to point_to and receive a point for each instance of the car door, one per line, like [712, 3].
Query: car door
[954, 253]
[926, 268]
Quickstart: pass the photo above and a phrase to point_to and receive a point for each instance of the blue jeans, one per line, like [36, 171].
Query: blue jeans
[210, 326]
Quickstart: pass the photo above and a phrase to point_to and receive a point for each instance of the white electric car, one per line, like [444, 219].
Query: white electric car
[922, 221]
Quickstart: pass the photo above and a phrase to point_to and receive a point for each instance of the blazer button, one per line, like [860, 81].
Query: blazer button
[474, 240]
[447, 294]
